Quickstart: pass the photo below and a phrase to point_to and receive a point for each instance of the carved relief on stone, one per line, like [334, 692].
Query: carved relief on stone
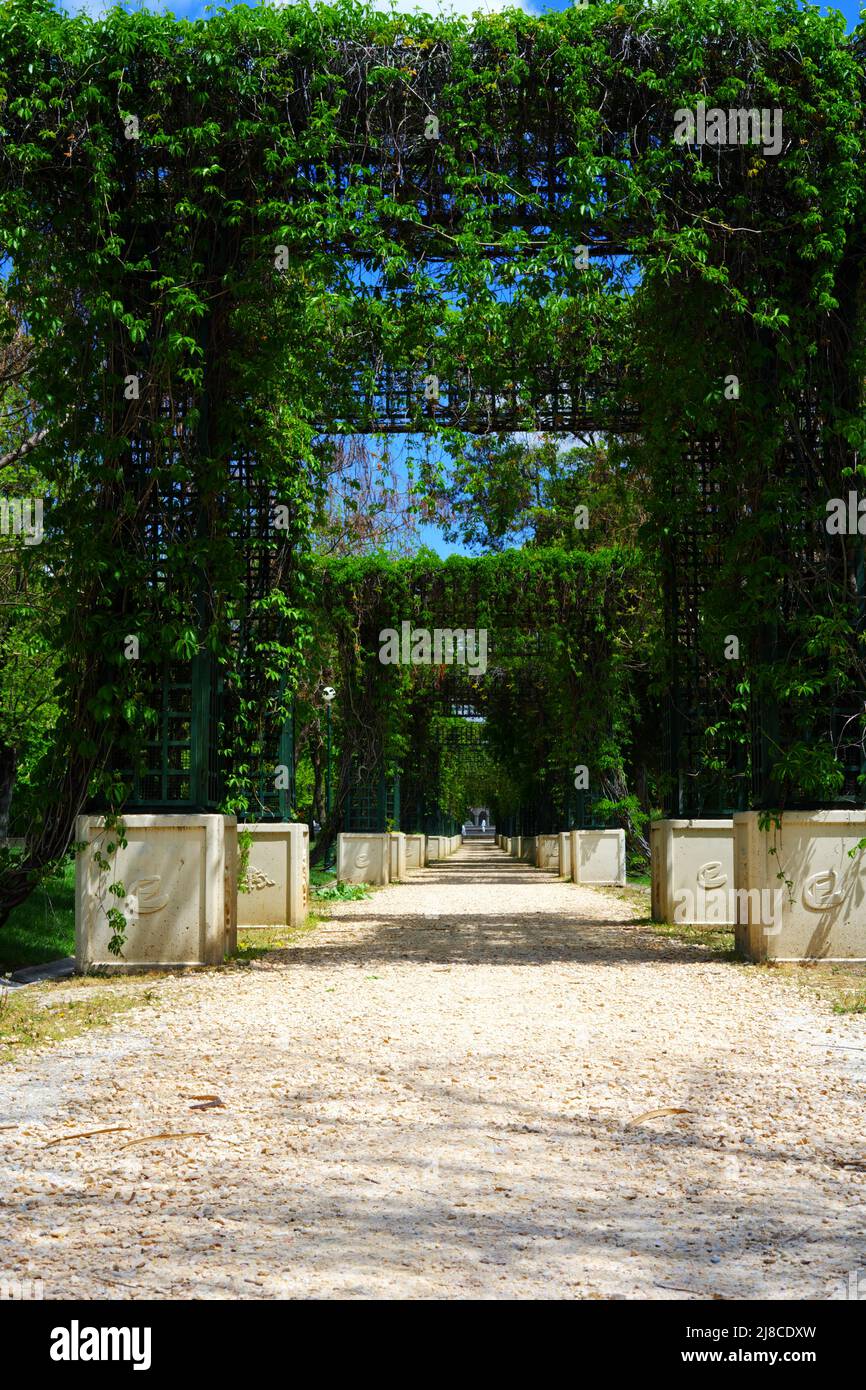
[256, 879]
[710, 875]
[820, 891]
[144, 898]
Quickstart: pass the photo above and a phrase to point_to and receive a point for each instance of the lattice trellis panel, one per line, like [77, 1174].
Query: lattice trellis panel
[374, 799]
[698, 684]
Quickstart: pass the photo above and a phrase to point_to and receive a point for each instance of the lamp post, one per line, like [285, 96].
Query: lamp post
[328, 695]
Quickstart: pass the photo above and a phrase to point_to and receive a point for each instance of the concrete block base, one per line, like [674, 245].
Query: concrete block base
[230, 877]
[817, 911]
[275, 891]
[692, 872]
[179, 879]
[564, 854]
[598, 856]
[363, 858]
[547, 852]
[416, 852]
[441, 846]
[397, 863]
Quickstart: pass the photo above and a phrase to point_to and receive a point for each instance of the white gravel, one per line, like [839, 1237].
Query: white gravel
[430, 1097]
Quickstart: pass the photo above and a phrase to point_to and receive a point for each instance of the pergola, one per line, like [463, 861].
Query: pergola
[288, 224]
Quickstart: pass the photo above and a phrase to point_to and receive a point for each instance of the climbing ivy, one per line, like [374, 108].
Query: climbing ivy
[567, 661]
[222, 232]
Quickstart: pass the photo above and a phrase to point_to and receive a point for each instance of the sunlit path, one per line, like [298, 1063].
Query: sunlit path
[432, 1095]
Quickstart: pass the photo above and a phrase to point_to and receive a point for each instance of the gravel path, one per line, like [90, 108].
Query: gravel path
[430, 1097]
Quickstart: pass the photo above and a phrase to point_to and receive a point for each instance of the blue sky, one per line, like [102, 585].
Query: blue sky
[193, 9]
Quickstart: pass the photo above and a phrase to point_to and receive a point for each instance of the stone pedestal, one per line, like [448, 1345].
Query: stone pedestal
[564, 866]
[817, 911]
[275, 891]
[547, 852]
[416, 852]
[598, 856]
[692, 871]
[397, 863]
[363, 857]
[231, 884]
[514, 850]
[434, 848]
[527, 849]
[179, 880]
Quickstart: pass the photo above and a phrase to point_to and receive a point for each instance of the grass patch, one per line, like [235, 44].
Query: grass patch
[43, 927]
[719, 941]
[637, 895]
[840, 983]
[256, 942]
[850, 1003]
[341, 892]
[320, 876]
[29, 1018]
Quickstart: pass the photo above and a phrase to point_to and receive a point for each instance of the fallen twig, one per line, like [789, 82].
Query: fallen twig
[654, 1114]
[85, 1134]
[184, 1134]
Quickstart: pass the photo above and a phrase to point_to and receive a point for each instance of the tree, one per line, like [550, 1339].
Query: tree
[29, 650]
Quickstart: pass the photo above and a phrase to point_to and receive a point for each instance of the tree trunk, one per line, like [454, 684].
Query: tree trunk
[332, 825]
[8, 770]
